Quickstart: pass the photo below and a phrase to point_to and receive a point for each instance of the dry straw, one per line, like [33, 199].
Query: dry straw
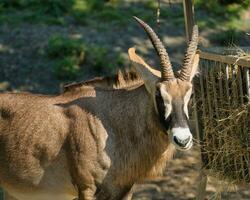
[223, 106]
[227, 145]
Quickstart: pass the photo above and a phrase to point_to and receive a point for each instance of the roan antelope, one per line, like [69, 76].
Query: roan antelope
[95, 141]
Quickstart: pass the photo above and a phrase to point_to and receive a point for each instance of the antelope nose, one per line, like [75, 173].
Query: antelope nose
[180, 142]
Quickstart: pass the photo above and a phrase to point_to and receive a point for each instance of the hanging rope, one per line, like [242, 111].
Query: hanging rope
[158, 12]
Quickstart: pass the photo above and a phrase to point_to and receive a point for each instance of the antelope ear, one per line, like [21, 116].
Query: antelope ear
[194, 66]
[149, 75]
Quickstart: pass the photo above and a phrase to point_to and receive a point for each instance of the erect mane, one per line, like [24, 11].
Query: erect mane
[121, 80]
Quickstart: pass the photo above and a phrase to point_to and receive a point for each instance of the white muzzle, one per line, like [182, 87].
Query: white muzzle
[181, 138]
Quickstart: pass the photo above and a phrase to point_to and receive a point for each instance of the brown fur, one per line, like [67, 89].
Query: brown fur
[99, 137]
[123, 79]
[104, 132]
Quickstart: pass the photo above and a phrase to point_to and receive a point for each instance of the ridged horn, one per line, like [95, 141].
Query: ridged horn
[189, 56]
[166, 67]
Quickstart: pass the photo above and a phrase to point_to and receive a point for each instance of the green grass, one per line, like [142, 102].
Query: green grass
[88, 12]
[70, 57]
[67, 68]
[221, 12]
[50, 7]
[99, 13]
[223, 15]
[108, 13]
[49, 11]
[97, 58]
[67, 56]
[34, 11]
[60, 47]
[82, 12]
[100, 61]
[227, 37]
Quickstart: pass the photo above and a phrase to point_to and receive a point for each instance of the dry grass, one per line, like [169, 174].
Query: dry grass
[227, 145]
[225, 110]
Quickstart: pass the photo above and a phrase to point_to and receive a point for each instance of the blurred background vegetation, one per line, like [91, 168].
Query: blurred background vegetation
[47, 43]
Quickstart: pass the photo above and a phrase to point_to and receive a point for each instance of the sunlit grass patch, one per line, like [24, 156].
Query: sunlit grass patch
[59, 47]
[66, 68]
[70, 57]
[67, 55]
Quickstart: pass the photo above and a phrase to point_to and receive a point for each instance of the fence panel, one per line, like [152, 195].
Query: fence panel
[223, 110]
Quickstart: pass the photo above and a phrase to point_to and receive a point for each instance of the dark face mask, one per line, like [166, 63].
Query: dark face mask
[161, 111]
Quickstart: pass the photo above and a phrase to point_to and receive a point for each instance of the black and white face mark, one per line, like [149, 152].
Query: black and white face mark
[173, 113]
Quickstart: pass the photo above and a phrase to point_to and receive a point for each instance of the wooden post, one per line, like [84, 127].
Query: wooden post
[247, 77]
[189, 17]
[202, 180]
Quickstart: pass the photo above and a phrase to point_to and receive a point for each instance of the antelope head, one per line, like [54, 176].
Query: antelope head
[170, 93]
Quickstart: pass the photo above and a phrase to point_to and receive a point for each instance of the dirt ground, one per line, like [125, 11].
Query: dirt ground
[181, 180]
